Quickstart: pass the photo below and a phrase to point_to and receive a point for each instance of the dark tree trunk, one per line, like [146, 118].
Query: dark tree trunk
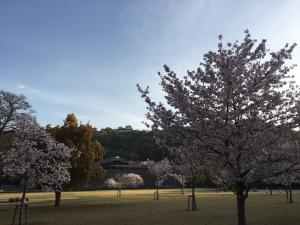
[22, 203]
[157, 193]
[194, 206]
[241, 210]
[182, 190]
[57, 198]
[287, 195]
[291, 195]
[271, 193]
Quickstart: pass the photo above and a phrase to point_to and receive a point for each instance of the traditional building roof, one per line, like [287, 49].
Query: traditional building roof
[118, 162]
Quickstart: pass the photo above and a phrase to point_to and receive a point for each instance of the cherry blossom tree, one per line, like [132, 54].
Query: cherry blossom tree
[132, 180]
[114, 184]
[187, 165]
[236, 108]
[287, 180]
[111, 183]
[290, 177]
[125, 180]
[182, 180]
[160, 170]
[37, 158]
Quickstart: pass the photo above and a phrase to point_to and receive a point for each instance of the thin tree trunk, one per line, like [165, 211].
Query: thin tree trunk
[157, 193]
[22, 202]
[119, 192]
[193, 195]
[57, 198]
[287, 195]
[241, 209]
[182, 190]
[291, 195]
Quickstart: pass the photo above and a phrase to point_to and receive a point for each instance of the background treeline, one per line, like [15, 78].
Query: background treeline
[134, 145]
[91, 146]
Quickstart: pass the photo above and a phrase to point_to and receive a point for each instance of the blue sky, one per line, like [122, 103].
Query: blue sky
[86, 57]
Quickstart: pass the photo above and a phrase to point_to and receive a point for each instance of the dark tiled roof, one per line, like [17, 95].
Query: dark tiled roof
[115, 159]
[117, 162]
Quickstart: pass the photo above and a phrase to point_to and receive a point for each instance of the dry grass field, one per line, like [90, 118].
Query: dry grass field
[137, 207]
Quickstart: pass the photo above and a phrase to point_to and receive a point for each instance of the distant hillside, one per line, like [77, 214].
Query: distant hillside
[129, 144]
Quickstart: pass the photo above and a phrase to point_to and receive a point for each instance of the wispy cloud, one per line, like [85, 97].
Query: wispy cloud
[27, 89]
[87, 108]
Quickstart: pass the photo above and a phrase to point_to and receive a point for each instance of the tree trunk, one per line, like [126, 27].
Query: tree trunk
[182, 190]
[157, 193]
[57, 198]
[119, 192]
[271, 193]
[22, 203]
[287, 195]
[194, 207]
[291, 195]
[241, 209]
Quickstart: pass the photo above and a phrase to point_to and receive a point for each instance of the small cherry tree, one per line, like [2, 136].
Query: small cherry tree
[289, 177]
[37, 158]
[132, 180]
[160, 170]
[187, 164]
[287, 180]
[114, 183]
[111, 183]
[182, 181]
[125, 180]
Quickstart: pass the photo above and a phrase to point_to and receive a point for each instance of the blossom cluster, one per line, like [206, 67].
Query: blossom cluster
[127, 180]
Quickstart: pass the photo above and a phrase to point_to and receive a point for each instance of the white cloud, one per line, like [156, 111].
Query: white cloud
[28, 90]
[87, 108]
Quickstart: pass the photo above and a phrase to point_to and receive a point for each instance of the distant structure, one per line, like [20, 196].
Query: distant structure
[127, 128]
[116, 165]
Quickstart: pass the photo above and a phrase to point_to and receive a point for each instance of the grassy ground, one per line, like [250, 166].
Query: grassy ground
[137, 207]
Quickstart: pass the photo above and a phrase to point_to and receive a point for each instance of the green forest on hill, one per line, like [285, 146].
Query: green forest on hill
[131, 145]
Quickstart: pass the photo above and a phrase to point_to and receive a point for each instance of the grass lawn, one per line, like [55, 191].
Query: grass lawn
[137, 207]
